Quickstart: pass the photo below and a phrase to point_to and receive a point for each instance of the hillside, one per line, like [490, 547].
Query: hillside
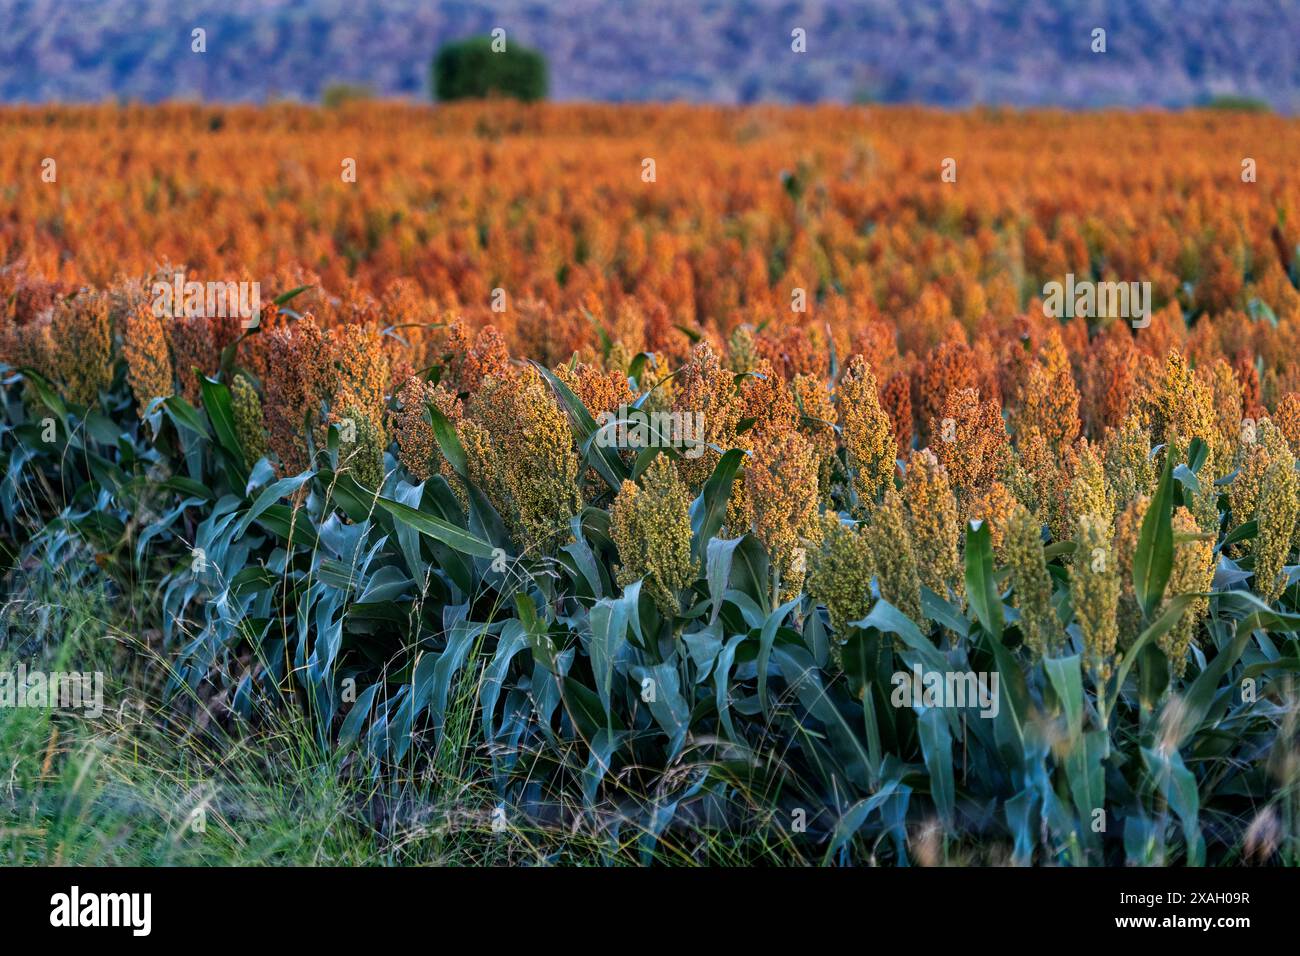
[948, 52]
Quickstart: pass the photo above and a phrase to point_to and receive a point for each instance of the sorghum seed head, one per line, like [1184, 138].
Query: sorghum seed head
[1032, 584]
[867, 432]
[934, 523]
[1095, 589]
[651, 526]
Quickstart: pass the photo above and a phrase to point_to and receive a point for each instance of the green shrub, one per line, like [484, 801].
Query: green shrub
[1238, 104]
[337, 94]
[471, 69]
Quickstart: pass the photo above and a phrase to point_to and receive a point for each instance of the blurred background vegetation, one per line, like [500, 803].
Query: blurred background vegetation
[945, 52]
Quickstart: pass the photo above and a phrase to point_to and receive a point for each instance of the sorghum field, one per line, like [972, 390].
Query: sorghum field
[632, 484]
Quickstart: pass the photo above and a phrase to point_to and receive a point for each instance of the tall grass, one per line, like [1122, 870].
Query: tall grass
[178, 781]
